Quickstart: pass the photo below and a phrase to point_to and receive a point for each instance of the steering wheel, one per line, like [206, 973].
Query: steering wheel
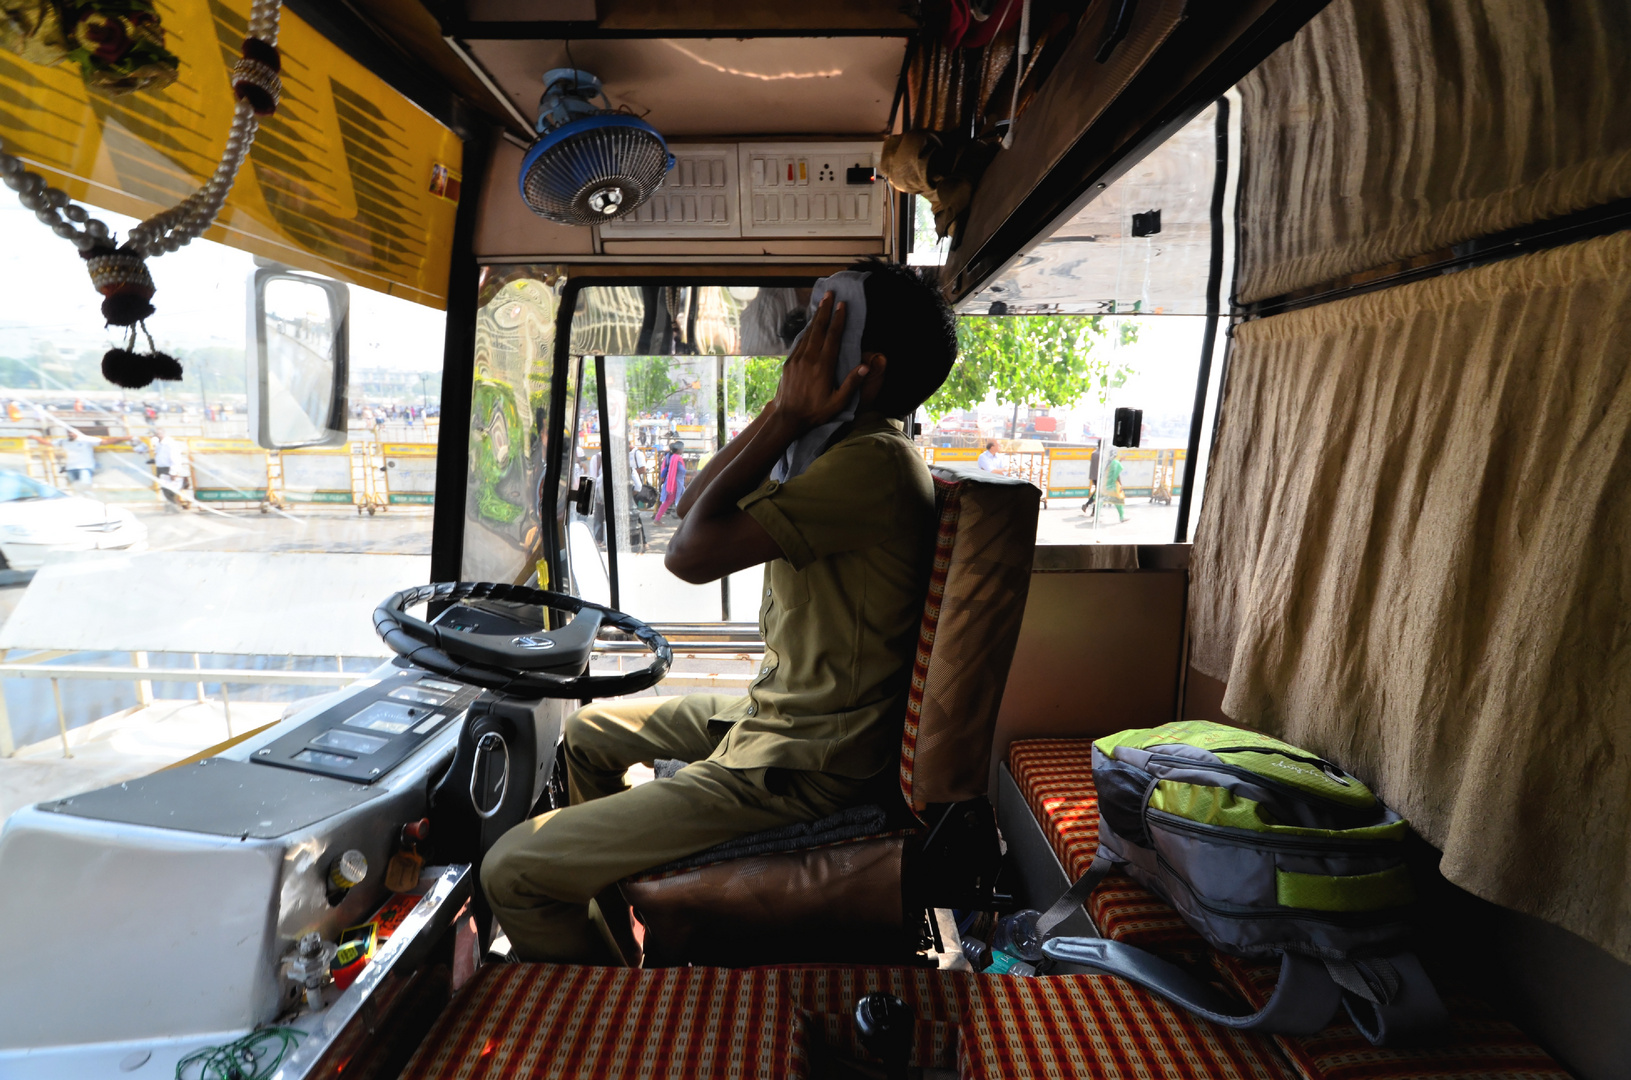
[529, 664]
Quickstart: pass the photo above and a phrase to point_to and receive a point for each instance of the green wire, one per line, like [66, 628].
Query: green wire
[248, 1058]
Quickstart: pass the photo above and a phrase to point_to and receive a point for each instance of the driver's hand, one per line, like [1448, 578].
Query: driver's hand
[805, 397]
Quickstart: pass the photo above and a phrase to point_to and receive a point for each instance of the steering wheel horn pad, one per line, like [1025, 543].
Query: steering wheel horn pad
[517, 665]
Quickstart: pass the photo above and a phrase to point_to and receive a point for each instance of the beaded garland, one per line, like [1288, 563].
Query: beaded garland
[119, 271]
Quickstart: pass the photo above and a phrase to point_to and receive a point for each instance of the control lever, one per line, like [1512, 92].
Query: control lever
[886, 1026]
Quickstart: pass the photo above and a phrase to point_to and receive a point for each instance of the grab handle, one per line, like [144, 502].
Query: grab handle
[490, 743]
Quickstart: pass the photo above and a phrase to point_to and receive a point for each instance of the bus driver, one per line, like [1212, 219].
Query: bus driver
[827, 489]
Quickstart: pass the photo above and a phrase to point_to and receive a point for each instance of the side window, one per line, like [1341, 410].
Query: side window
[1116, 309]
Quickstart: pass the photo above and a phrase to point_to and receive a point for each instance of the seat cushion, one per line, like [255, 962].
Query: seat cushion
[1056, 778]
[838, 901]
[547, 1021]
[1100, 1027]
[1478, 1046]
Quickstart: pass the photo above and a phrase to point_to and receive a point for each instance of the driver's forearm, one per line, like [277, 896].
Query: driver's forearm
[745, 471]
[696, 487]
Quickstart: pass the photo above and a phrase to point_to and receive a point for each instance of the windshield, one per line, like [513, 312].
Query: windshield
[213, 552]
[14, 487]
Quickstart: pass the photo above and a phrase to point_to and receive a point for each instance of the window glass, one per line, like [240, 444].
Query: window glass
[1143, 245]
[104, 489]
[1034, 396]
[14, 485]
[669, 416]
[673, 366]
[1106, 311]
[681, 320]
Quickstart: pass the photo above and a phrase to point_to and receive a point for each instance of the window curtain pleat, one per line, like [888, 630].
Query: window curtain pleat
[1415, 557]
[1388, 129]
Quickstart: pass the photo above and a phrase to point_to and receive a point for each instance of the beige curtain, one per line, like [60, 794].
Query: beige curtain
[1415, 557]
[1392, 128]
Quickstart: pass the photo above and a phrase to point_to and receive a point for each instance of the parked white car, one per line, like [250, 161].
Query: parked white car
[36, 519]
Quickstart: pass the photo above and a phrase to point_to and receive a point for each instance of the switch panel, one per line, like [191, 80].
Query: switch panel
[804, 189]
[699, 198]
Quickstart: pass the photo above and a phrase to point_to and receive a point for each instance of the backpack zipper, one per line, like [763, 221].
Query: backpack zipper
[1241, 773]
[1306, 759]
[1246, 838]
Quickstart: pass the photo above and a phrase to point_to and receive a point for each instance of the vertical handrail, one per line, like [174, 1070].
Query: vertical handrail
[8, 746]
[608, 474]
[62, 719]
[144, 687]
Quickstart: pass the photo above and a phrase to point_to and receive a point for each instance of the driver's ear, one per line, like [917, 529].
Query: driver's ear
[872, 385]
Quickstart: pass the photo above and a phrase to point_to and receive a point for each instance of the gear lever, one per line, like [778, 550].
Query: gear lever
[886, 1026]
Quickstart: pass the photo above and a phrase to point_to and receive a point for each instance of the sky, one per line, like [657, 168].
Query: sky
[202, 290]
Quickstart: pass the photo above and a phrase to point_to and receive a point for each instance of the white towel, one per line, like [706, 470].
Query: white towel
[847, 287]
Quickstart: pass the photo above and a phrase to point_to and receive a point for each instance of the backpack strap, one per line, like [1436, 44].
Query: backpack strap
[1076, 895]
[1303, 1001]
[1390, 998]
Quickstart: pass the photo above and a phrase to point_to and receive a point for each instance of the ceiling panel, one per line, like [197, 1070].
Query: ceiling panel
[720, 87]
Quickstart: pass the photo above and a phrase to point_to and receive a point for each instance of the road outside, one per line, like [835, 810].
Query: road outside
[1147, 523]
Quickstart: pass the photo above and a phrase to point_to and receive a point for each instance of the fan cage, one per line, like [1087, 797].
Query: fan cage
[570, 164]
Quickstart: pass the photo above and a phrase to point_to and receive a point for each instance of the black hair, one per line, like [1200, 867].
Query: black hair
[910, 323]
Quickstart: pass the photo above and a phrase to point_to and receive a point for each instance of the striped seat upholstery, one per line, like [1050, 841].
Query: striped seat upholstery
[937, 998]
[1478, 1046]
[1056, 778]
[984, 546]
[1100, 1027]
[548, 1021]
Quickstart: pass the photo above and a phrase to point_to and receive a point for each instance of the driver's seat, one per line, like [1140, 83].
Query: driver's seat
[854, 886]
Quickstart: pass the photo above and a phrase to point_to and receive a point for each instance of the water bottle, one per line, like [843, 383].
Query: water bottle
[977, 952]
[1018, 936]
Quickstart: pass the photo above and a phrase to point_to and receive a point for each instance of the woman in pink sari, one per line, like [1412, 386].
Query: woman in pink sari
[672, 484]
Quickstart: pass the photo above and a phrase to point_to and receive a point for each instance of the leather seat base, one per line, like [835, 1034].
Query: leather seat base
[839, 902]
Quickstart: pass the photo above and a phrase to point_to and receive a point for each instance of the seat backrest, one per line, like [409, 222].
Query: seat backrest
[982, 574]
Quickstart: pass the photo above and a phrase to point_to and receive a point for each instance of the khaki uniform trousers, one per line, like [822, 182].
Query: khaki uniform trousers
[541, 875]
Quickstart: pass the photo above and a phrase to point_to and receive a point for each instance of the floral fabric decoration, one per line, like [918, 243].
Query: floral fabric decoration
[118, 44]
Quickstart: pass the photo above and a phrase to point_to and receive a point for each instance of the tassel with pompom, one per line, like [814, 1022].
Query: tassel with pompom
[133, 370]
[121, 276]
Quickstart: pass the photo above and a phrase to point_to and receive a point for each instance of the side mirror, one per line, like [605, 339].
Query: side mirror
[298, 337]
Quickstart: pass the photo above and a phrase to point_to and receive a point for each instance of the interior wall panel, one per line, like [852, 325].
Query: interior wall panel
[1098, 652]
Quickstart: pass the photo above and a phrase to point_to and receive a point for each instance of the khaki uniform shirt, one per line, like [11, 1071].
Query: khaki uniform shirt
[841, 610]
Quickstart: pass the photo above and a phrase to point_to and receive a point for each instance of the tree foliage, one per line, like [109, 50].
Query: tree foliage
[1033, 360]
[763, 375]
[650, 383]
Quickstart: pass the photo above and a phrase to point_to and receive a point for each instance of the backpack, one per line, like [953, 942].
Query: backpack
[1268, 852]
